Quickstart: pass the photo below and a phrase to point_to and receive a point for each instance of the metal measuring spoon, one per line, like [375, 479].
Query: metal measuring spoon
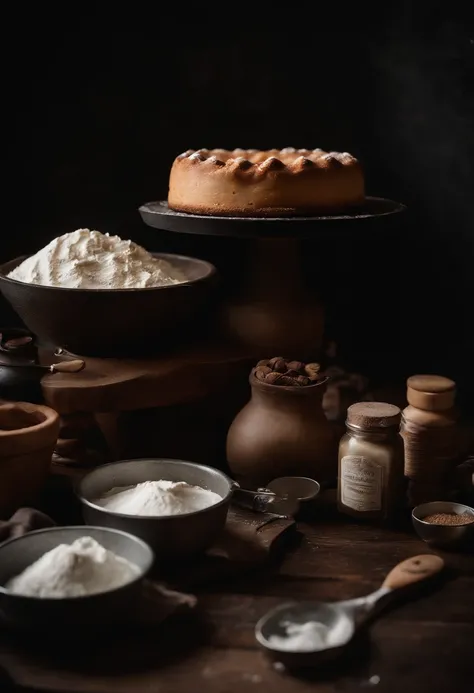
[302, 488]
[307, 634]
[265, 501]
[282, 497]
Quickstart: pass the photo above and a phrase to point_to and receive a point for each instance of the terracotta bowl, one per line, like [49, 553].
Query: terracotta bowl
[116, 322]
[28, 434]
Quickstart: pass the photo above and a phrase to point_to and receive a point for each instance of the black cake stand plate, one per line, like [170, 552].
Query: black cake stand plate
[159, 216]
[272, 313]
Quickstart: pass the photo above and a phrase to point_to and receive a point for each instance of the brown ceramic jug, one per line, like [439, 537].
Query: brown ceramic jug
[282, 431]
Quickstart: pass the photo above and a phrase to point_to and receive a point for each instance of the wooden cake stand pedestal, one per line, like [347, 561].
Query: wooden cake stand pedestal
[178, 406]
[272, 311]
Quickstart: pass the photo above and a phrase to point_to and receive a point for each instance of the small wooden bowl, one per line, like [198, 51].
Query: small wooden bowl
[28, 434]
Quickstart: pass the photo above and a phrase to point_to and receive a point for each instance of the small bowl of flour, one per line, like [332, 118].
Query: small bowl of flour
[178, 507]
[71, 576]
[100, 295]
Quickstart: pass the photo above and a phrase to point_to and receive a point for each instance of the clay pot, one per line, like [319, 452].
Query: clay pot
[28, 434]
[282, 431]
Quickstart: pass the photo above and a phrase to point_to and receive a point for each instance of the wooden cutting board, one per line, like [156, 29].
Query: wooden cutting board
[114, 385]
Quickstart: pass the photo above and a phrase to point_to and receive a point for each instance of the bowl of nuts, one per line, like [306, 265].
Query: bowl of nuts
[277, 371]
[282, 430]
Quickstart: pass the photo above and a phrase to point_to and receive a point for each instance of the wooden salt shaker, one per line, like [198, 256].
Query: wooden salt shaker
[431, 438]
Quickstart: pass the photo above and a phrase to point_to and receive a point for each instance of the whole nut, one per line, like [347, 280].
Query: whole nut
[261, 372]
[303, 380]
[296, 366]
[312, 369]
[292, 373]
[274, 378]
[313, 366]
[289, 382]
[271, 362]
[278, 365]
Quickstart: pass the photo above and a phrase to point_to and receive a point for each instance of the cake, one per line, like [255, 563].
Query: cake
[272, 183]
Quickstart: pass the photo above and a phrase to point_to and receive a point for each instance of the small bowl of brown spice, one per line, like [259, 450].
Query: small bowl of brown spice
[445, 525]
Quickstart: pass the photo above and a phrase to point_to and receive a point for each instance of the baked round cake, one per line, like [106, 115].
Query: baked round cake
[272, 183]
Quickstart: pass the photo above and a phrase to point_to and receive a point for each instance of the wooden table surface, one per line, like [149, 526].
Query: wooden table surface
[421, 645]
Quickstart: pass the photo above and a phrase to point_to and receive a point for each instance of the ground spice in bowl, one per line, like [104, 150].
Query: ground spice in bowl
[449, 519]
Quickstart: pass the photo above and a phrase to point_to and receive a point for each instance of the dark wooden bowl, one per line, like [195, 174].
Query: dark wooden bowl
[117, 322]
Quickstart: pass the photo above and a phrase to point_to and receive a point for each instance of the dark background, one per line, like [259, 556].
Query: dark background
[100, 113]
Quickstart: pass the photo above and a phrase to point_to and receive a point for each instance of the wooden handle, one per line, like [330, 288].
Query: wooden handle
[68, 366]
[413, 570]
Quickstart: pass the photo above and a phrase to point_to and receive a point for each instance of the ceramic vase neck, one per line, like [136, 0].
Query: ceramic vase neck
[291, 399]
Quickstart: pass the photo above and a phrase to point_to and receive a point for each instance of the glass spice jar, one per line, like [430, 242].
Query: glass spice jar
[371, 481]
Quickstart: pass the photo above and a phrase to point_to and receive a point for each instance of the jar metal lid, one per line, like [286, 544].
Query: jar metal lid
[373, 415]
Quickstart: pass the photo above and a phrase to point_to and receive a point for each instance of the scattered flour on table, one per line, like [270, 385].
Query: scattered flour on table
[157, 498]
[309, 636]
[74, 570]
[87, 259]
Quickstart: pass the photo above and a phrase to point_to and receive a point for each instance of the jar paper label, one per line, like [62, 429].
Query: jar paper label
[361, 483]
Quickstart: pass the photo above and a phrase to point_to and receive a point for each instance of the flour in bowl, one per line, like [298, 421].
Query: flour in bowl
[74, 570]
[87, 259]
[158, 498]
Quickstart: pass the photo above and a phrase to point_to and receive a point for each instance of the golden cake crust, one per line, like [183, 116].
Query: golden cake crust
[275, 182]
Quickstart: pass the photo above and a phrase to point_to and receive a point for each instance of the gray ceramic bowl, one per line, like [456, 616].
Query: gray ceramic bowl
[174, 537]
[443, 536]
[102, 609]
[116, 322]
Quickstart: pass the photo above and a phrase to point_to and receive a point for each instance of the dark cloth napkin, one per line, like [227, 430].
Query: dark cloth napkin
[23, 521]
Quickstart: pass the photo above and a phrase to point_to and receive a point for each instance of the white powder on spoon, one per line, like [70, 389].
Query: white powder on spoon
[310, 636]
[74, 570]
[158, 498]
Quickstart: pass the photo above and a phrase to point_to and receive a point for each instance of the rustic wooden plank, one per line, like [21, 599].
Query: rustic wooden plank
[356, 552]
[407, 660]
[232, 617]
[429, 639]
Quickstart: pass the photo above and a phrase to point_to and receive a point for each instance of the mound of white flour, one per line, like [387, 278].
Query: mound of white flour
[155, 498]
[87, 259]
[74, 570]
[310, 636]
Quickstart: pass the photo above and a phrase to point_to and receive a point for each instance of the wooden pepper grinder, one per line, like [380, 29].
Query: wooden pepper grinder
[431, 438]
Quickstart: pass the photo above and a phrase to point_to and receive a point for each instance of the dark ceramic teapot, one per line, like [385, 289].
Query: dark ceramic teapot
[20, 370]
[19, 382]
